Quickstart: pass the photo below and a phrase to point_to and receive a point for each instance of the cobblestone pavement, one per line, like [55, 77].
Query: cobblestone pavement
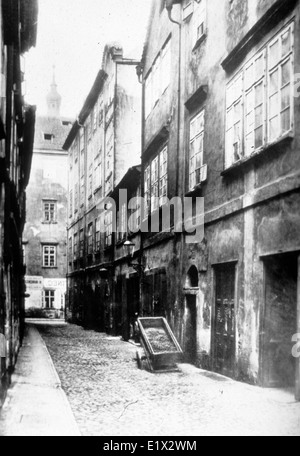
[111, 397]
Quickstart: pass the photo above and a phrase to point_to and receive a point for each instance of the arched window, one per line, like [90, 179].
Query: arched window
[192, 279]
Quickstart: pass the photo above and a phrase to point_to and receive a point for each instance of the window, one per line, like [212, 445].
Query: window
[50, 209]
[134, 221]
[109, 158]
[71, 203]
[196, 150]
[76, 198]
[280, 81]
[48, 137]
[70, 248]
[100, 111]
[94, 119]
[259, 100]
[199, 20]
[82, 142]
[76, 148]
[98, 170]
[156, 182]
[98, 230]
[122, 225]
[71, 161]
[90, 154]
[109, 227]
[81, 243]
[49, 256]
[82, 191]
[75, 246]
[90, 239]
[158, 80]
[48, 299]
[89, 127]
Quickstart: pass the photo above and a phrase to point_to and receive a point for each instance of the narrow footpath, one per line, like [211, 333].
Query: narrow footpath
[36, 405]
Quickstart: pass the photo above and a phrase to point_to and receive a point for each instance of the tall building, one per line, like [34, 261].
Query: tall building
[45, 235]
[18, 29]
[103, 143]
[229, 126]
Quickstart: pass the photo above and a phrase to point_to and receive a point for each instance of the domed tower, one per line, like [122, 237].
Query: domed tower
[53, 99]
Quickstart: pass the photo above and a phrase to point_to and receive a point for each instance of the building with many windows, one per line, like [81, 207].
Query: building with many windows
[18, 30]
[221, 122]
[45, 235]
[102, 144]
[217, 248]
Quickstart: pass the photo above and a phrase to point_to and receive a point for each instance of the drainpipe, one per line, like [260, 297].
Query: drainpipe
[297, 394]
[169, 8]
[139, 72]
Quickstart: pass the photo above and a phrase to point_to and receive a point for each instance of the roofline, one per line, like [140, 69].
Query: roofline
[134, 169]
[87, 107]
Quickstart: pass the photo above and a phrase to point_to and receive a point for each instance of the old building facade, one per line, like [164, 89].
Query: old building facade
[217, 249]
[103, 143]
[225, 130]
[18, 28]
[45, 234]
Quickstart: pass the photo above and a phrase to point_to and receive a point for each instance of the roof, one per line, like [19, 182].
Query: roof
[130, 181]
[87, 107]
[51, 126]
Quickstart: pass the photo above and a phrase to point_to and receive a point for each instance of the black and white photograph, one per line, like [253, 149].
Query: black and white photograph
[149, 221]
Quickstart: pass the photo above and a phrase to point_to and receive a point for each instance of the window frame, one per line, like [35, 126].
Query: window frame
[199, 20]
[51, 297]
[50, 256]
[199, 135]
[153, 197]
[268, 141]
[50, 219]
[90, 238]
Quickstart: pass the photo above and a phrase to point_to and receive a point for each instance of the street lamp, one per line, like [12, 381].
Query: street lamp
[129, 248]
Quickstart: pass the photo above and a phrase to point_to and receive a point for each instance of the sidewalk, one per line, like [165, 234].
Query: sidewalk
[36, 404]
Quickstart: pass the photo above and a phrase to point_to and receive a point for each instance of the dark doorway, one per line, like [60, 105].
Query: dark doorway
[192, 293]
[224, 333]
[280, 321]
[133, 300]
[99, 298]
[191, 329]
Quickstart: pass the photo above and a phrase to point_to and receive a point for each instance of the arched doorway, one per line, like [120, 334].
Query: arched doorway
[191, 290]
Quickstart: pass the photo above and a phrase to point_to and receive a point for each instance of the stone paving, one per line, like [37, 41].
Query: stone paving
[109, 396]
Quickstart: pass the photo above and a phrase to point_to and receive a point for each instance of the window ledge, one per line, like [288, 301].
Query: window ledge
[199, 42]
[287, 138]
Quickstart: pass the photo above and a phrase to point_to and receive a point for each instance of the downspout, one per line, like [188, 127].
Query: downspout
[140, 70]
[169, 7]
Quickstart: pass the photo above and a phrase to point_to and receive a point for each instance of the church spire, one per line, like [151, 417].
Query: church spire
[53, 99]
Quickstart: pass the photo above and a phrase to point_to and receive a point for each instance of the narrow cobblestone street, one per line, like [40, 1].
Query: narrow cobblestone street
[111, 397]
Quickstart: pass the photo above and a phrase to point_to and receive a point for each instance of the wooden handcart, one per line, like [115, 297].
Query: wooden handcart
[161, 351]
